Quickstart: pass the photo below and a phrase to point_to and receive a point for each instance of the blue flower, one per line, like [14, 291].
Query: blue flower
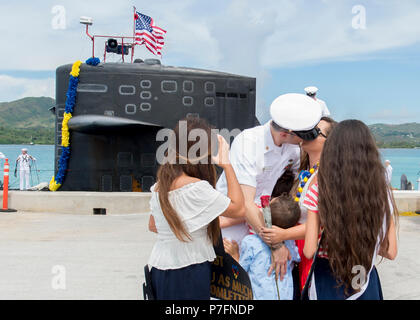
[93, 61]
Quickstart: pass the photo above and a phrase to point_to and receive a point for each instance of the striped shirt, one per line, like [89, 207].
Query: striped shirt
[311, 203]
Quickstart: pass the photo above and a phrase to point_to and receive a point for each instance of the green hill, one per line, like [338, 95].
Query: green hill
[397, 136]
[26, 120]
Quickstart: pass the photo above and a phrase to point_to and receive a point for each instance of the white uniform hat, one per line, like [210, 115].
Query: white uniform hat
[295, 111]
[24, 149]
[311, 90]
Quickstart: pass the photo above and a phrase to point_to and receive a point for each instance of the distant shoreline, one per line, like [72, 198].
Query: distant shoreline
[26, 144]
[398, 147]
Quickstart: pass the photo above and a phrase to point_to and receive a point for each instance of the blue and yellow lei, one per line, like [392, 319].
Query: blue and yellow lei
[57, 181]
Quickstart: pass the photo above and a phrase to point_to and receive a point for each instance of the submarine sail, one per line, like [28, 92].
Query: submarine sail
[120, 108]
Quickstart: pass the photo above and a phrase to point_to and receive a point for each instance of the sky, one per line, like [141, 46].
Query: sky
[363, 55]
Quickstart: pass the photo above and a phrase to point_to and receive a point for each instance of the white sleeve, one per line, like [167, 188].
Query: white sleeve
[293, 249]
[243, 159]
[200, 205]
[325, 111]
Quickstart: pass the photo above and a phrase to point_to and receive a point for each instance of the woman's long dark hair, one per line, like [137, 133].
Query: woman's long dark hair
[168, 172]
[354, 199]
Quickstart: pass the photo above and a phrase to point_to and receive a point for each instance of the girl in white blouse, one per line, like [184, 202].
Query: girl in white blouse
[185, 209]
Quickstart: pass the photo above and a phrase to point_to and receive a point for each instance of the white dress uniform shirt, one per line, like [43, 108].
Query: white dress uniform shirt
[258, 163]
[24, 161]
[325, 111]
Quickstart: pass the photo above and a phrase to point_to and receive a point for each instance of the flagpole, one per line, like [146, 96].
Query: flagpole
[134, 34]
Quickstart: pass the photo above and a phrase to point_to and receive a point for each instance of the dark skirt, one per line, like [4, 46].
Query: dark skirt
[188, 283]
[326, 284]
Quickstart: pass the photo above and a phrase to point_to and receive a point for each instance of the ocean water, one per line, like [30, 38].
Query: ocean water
[403, 161]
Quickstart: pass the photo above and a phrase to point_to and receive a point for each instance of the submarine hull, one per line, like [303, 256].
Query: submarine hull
[121, 107]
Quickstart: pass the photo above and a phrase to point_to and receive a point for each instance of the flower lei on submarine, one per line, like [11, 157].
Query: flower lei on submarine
[57, 181]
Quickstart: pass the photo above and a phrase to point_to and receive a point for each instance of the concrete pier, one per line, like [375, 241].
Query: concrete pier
[72, 256]
[55, 248]
[81, 202]
[407, 200]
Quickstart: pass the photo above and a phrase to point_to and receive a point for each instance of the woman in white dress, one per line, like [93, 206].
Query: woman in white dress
[185, 209]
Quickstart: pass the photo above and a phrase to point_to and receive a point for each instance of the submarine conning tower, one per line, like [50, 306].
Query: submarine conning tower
[120, 107]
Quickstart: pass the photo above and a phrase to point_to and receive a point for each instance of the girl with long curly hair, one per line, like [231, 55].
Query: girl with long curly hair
[352, 206]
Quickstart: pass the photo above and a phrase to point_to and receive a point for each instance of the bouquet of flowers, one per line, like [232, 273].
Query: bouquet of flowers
[265, 205]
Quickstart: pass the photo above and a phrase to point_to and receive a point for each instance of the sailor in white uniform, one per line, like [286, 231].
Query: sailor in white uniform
[388, 171]
[24, 161]
[311, 92]
[2, 156]
[261, 154]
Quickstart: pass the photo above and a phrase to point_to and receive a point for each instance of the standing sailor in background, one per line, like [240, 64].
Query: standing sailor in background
[2, 156]
[388, 171]
[260, 155]
[24, 161]
[311, 92]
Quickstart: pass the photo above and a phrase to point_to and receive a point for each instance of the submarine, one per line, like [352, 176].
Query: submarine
[121, 106]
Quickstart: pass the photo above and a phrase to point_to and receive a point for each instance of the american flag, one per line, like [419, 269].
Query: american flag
[149, 34]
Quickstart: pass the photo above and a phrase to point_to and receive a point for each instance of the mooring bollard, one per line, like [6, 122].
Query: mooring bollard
[6, 188]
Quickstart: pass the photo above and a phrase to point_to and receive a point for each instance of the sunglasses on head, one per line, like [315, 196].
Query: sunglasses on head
[307, 135]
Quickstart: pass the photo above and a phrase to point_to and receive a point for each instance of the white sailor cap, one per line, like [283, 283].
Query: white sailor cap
[311, 90]
[296, 112]
[24, 149]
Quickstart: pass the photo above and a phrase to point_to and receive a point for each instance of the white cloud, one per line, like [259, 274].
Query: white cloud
[326, 33]
[387, 115]
[239, 35]
[12, 88]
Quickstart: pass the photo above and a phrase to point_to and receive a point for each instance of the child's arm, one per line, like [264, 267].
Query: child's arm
[236, 208]
[298, 232]
[312, 233]
[275, 235]
[392, 251]
[229, 222]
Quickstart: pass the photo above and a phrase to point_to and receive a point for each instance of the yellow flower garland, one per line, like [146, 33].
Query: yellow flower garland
[65, 133]
[75, 69]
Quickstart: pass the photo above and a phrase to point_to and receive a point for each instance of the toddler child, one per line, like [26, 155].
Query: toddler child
[255, 255]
